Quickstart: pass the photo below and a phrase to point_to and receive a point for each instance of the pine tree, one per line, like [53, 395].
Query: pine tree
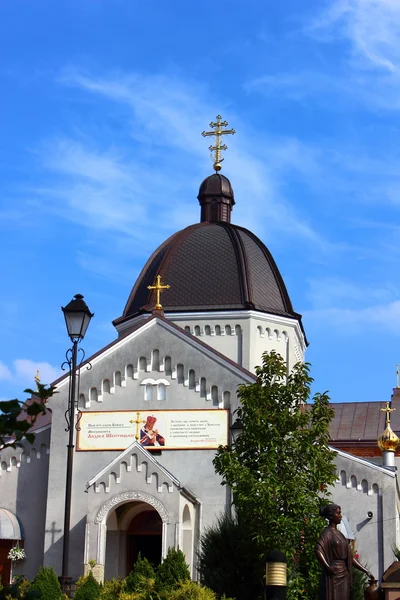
[280, 466]
[47, 584]
[172, 570]
[89, 589]
[142, 571]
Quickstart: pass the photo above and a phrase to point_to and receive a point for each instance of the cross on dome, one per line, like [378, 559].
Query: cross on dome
[218, 146]
[159, 287]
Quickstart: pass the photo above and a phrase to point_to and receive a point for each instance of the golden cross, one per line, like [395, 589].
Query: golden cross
[387, 410]
[218, 146]
[37, 379]
[159, 287]
[138, 421]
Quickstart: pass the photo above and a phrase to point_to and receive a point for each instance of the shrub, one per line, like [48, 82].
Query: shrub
[172, 570]
[189, 590]
[142, 571]
[358, 584]
[47, 584]
[89, 589]
[228, 561]
[112, 589]
[19, 590]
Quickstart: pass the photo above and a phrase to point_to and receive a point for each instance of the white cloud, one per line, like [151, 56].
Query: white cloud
[371, 26]
[5, 373]
[25, 371]
[146, 183]
[351, 307]
[366, 71]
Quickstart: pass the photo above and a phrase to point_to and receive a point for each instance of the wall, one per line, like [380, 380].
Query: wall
[114, 383]
[361, 488]
[23, 490]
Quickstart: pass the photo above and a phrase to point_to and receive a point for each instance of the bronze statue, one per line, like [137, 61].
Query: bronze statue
[336, 557]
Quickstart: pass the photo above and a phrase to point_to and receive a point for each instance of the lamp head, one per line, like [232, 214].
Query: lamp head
[77, 318]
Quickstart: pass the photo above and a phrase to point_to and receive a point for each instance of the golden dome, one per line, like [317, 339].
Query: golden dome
[388, 440]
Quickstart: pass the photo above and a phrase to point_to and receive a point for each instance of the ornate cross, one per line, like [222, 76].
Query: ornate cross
[159, 287]
[218, 146]
[387, 410]
[138, 422]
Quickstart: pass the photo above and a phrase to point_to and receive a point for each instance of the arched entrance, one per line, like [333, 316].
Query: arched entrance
[130, 527]
[144, 536]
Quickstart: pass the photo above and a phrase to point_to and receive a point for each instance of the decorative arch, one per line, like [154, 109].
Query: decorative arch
[101, 517]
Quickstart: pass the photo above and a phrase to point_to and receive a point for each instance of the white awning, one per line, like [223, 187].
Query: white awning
[10, 528]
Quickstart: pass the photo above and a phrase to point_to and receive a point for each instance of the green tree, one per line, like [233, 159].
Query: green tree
[172, 570]
[17, 418]
[47, 584]
[280, 467]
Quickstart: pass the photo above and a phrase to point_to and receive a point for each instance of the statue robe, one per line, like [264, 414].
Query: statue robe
[338, 554]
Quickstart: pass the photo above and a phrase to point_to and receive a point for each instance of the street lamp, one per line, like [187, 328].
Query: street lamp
[77, 318]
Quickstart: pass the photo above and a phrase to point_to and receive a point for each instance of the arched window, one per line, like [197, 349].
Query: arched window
[197, 330]
[180, 374]
[228, 330]
[142, 363]
[161, 391]
[214, 395]
[148, 392]
[207, 330]
[217, 330]
[155, 360]
[168, 366]
[192, 379]
[203, 387]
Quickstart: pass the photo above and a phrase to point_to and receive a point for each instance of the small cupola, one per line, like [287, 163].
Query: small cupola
[216, 199]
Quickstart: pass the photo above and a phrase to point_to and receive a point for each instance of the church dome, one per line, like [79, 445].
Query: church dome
[212, 265]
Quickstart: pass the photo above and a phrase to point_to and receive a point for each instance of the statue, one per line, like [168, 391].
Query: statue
[336, 557]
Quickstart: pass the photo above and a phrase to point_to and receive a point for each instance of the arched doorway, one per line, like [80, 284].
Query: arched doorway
[144, 536]
[132, 527]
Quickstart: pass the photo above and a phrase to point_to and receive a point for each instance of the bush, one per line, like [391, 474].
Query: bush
[358, 584]
[19, 590]
[112, 589]
[228, 561]
[47, 584]
[189, 590]
[88, 589]
[137, 578]
[172, 570]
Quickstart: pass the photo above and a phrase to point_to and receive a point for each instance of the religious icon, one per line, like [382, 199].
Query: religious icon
[149, 435]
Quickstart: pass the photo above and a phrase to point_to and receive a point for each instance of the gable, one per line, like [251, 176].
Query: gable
[183, 372]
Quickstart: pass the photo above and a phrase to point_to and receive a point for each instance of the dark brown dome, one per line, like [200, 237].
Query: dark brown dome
[211, 266]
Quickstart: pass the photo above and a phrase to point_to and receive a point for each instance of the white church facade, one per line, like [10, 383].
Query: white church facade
[155, 404]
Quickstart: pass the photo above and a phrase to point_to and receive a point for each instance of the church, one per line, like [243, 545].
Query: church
[154, 405]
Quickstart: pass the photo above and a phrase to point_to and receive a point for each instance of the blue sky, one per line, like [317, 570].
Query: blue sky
[101, 156]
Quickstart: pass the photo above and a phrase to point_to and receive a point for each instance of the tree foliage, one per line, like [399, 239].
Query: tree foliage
[46, 582]
[228, 561]
[17, 418]
[89, 589]
[173, 570]
[280, 467]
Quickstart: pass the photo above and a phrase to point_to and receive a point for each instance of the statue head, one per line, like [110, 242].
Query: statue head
[332, 512]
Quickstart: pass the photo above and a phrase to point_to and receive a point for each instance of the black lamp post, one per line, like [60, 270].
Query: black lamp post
[77, 318]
